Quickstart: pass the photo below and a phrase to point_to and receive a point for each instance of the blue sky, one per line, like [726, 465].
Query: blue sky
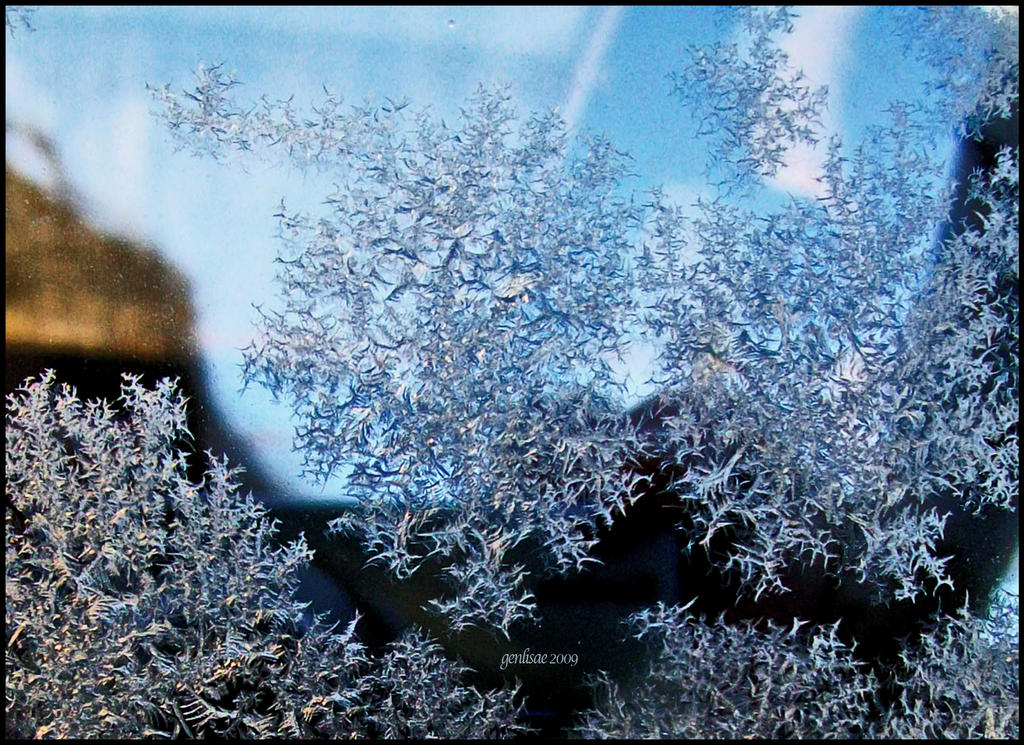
[81, 77]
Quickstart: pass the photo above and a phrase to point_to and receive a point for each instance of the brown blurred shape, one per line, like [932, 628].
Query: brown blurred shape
[71, 289]
[92, 305]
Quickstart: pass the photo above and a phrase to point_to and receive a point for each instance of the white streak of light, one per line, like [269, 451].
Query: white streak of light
[587, 71]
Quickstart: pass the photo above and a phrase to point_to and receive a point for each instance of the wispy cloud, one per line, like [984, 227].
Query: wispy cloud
[819, 45]
[589, 68]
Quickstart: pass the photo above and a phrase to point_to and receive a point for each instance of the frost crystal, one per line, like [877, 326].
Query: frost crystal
[142, 605]
[834, 388]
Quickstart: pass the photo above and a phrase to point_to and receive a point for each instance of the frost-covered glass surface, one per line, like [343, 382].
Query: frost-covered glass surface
[495, 277]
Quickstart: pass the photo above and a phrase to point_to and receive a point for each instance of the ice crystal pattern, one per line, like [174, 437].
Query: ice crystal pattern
[18, 16]
[444, 334]
[142, 605]
[755, 107]
[448, 320]
[713, 680]
[447, 325]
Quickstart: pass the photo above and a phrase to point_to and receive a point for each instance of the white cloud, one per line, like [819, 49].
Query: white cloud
[820, 46]
[802, 165]
[820, 42]
[589, 67]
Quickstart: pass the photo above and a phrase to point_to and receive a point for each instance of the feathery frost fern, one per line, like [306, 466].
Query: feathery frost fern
[833, 385]
[140, 604]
